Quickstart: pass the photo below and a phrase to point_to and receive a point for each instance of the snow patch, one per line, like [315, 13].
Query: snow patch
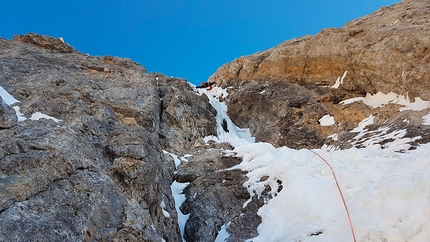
[39, 115]
[327, 120]
[179, 197]
[339, 80]
[165, 213]
[379, 99]
[20, 115]
[363, 124]
[222, 233]
[7, 98]
[426, 119]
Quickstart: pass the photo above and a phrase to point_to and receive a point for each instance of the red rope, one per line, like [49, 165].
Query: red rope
[340, 193]
[332, 172]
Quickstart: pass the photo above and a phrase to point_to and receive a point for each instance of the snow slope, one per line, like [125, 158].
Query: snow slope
[387, 192]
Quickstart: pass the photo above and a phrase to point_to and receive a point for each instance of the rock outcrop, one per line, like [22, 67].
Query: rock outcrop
[8, 117]
[185, 117]
[93, 169]
[290, 87]
[216, 195]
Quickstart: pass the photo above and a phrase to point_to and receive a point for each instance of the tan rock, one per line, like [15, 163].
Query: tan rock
[385, 51]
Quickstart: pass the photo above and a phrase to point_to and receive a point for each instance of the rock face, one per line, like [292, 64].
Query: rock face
[216, 195]
[8, 117]
[185, 117]
[99, 173]
[289, 88]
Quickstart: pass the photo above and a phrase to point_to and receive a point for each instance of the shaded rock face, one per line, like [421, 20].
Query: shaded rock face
[99, 174]
[185, 117]
[293, 112]
[216, 195]
[289, 88]
[8, 117]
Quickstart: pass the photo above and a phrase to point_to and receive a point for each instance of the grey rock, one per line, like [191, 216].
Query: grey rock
[8, 117]
[215, 196]
[185, 116]
[97, 175]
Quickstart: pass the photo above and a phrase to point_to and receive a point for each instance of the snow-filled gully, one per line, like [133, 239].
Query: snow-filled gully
[387, 193]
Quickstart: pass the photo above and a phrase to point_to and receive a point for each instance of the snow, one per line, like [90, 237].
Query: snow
[178, 195]
[177, 192]
[165, 213]
[379, 99]
[20, 115]
[327, 120]
[426, 119]
[7, 98]
[39, 115]
[222, 234]
[387, 192]
[339, 80]
[363, 124]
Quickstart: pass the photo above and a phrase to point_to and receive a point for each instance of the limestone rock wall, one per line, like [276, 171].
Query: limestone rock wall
[99, 173]
[384, 51]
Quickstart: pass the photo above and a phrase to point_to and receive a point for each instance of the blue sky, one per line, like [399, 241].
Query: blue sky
[181, 38]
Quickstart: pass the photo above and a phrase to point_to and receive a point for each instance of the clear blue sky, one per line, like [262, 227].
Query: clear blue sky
[182, 38]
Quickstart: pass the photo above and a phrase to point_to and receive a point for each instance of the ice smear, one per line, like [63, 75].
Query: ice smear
[7, 98]
[235, 135]
[387, 192]
[179, 197]
[327, 120]
[379, 99]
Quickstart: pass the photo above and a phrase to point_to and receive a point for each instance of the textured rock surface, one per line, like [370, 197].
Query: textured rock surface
[215, 196]
[185, 117]
[385, 51]
[8, 117]
[99, 174]
[288, 88]
[46, 42]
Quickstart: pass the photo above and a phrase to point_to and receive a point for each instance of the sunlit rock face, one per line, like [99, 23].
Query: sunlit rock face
[290, 87]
